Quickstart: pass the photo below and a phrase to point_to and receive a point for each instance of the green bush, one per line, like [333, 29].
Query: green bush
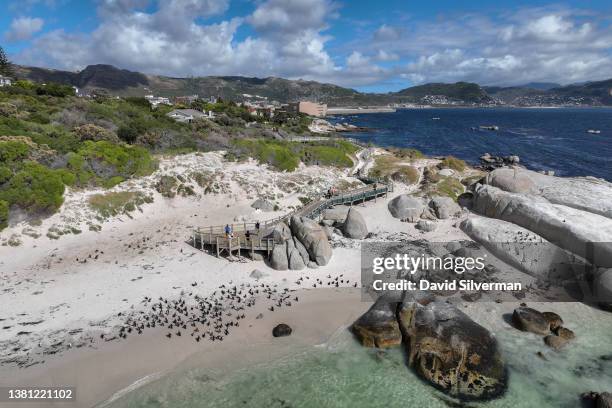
[454, 163]
[4, 214]
[35, 189]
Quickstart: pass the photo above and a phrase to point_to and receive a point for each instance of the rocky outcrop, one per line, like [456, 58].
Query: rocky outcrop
[337, 215]
[426, 225]
[406, 207]
[512, 180]
[378, 327]
[281, 330]
[519, 247]
[278, 258]
[451, 351]
[530, 320]
[583, 233]
[354, 226]
[314, 239]
[281, 232]
[302, 250]
[444, 207]
[296, 262]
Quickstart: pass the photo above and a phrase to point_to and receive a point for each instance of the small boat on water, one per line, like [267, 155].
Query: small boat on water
[489, 127]
[435, 118]
[594, 131]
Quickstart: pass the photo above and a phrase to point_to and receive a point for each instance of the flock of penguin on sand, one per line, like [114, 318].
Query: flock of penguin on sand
[213, 317]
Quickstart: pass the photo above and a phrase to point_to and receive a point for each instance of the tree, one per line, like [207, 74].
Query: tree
[6, 68]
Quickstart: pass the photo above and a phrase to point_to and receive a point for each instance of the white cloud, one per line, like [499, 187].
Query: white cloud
[23, 28]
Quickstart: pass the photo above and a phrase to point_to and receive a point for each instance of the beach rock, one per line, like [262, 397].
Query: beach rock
[354, 226]
[278, 258]
[519, 247]
[302, 250]
[314, 239]
[530, 320]
[281, 330]
[446, 172]
[451, 351]
[296, 262]
[378, 327]
[466, 200]
[312, 265]
[555, 342]
[553, 319]
[281, 232]
[512, 180]
[336, 214]
[583, 233]
[263, 205]
[256, 256]
[406, 207]
[604, 400]
[602, 288]
[426, 225]
[257, 274]
[444, 207]
[428, 214]
[565, 333]
[328, 223]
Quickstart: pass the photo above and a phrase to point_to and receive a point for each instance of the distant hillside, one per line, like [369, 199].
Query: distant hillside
[544, 86]
[465, 91]
[122, 82]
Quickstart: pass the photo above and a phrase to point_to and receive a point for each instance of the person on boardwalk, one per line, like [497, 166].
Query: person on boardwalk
[375, 186]
[257, 226]
[247, 235]
[228, 231]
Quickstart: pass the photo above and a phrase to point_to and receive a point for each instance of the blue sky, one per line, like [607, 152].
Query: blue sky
[373, 46]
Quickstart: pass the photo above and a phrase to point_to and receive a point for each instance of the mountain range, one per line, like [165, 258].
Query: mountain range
[122, 82]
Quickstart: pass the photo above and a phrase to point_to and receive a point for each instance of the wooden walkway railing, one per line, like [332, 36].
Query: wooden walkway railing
[260, 239]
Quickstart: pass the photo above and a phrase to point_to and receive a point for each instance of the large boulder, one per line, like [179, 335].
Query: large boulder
[336, 214]
[278, 258]
[583, 233]
[426, 225]
[444, 207]
[406, 207]
[294, 257]
[281, 330]
[530, 320]
[451, 351]
[313, 237]
[512, 180]
[263, 205]
[378, 327]
[281, 232]
[354, 226]
[519, 247]
[302, 250]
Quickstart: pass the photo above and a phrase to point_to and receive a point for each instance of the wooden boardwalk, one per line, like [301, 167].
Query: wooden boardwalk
[261, 239]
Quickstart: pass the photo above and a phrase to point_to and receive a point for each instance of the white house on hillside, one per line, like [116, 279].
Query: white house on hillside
[5, 81]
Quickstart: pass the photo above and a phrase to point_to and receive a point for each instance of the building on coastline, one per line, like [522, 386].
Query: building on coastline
[155, 101]
[185, 100]
[312, 108]
[189, 115]
[5, 81]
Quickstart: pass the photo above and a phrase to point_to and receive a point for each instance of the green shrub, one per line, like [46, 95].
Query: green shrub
[115, 203]
[406, 174]
[4, 214]
[35, 189]
[454, 163]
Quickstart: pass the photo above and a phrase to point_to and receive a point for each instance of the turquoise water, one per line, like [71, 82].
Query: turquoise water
[344, 374]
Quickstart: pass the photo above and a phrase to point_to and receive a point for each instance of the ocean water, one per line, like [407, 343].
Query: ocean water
[341, 373]
[545, 139]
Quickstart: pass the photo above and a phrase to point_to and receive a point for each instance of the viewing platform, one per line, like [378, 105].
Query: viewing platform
[217, 241]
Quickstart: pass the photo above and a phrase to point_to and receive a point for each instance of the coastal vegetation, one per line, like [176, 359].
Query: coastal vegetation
[115, 203]
[453, 163]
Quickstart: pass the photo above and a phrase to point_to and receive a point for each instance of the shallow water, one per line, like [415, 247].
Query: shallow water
[545, 139]
[344, 374]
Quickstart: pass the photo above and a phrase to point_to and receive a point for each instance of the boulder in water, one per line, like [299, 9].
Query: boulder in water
[378, 327]
[451, 351]
[530, 320]
[554, 320]
[406, 207]
[602, 288]
[354, 226]
[281, 330]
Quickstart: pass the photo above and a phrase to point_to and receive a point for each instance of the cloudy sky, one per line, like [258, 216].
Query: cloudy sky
[369, 45]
